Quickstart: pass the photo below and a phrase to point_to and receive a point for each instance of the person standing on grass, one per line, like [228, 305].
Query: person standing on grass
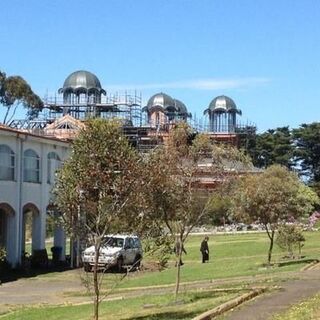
[204, 248]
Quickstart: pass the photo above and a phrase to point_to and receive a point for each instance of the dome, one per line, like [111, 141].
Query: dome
[82, 82]
[222, 104]
[182, 109]
[162, 101]
[180, 106]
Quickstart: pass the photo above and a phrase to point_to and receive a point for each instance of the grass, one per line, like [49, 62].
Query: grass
[146, 307]
[232, 255]
[306, 310]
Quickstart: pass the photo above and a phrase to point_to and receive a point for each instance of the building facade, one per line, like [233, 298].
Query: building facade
[27, 170]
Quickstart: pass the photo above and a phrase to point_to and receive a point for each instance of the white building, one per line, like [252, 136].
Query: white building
[27, 168]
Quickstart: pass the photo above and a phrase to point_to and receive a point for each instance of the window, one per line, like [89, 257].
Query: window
[54, 163]
[7, 163]
[136, 243]
[31, 165]
[129, 243]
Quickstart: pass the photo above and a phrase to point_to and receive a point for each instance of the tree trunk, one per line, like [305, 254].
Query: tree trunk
[177, 277]
[96, 284]
[178, 265]
[271, 236]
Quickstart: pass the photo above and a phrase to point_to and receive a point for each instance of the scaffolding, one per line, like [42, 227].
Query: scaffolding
[124, 106]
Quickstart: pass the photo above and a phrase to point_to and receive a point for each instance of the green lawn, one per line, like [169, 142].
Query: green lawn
[146, 307]
[230, 256]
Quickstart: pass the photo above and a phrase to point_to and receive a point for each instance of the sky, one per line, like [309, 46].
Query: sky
[264, 54]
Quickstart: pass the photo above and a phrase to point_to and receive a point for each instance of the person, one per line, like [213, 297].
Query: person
[204, 248]
[176, 251]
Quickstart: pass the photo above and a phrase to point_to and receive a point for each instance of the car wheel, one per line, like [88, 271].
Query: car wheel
[120, 264]
[87, 267]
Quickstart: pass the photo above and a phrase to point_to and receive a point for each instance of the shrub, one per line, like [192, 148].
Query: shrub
[3, 254]
[289, 238]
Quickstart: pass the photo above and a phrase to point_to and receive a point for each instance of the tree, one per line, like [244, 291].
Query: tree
[271, 198]
[289, 237]
[307, 153]
[15, 91]
[98, 189]
[175, 196]
[220, 203]
[273, 147]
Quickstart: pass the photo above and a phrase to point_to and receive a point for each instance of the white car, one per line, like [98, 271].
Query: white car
[116, 251]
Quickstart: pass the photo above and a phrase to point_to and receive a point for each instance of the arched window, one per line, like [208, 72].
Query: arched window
[7, 163]
[54, 163]
[31, 162]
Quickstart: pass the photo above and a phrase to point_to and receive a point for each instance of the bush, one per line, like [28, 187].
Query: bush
[289, 238]
[160, 250]
[39, 259]
[3, 254]
[4, 265]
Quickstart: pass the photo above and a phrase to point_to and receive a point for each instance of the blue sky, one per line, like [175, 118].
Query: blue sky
[265, 54]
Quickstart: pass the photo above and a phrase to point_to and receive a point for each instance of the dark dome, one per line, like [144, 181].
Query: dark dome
[222, 104]
[82, 81]
[162, 101]
[180, 106]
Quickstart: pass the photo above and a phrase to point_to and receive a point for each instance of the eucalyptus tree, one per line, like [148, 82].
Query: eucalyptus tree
[175, 195]
[271, 198]
[98, 189]
[15, 91]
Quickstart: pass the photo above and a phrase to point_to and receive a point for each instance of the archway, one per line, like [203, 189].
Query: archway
[7, 230]
[55, 231]
[30, 228]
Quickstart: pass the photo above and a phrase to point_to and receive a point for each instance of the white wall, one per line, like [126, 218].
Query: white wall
[17, 193]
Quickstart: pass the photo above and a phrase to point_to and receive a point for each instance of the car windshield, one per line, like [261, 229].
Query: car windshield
[113, 242]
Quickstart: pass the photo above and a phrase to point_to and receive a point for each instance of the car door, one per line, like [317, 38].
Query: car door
[129, 251]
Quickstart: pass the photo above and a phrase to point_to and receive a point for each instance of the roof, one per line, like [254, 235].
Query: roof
[181, 108]
[161, 101]
[222, 104]
[82, 82]
[24, 132]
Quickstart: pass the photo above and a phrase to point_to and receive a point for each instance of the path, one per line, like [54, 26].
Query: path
[51, 291]
[291, 292]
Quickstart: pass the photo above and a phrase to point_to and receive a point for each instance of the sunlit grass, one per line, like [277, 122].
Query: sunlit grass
[306, 310]
[146, 307]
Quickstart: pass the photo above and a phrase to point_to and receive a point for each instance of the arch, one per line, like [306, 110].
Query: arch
[30, 227]
[5, 207]
[31, 166]
[7, 163]
[30, 207]
[7, 216]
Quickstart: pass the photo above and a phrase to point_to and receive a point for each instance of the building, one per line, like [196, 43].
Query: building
[27, 166]
[32, 150]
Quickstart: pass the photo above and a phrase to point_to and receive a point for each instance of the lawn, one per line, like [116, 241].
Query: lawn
[146, 307]
[231, 255]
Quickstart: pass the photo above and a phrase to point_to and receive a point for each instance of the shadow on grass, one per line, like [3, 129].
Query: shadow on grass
[296, 261]
[290, 262]
[11, 275]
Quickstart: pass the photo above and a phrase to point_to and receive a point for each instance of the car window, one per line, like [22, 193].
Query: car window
[119, 243]
[113, 242]
[136, 243]
[129, 243]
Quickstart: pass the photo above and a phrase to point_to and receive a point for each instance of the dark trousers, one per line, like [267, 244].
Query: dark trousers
[205, 257]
